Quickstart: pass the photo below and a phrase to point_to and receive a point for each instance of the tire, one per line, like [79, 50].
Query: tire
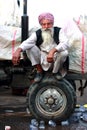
[51, 99]
[5, 78]
[72, 82]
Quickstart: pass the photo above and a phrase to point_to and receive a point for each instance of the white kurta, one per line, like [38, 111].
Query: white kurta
[39, 56]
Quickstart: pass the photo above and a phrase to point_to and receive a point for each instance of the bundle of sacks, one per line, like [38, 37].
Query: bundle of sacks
[76, 31]
[10, 39]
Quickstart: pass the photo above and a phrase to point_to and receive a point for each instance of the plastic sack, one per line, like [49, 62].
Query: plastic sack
[77, 36]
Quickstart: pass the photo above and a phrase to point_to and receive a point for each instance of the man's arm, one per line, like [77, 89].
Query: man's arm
[63, 41]
[27, 44]
[63, 45]
[16, 56]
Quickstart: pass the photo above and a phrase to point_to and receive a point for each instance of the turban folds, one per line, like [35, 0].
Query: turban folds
[47, 16]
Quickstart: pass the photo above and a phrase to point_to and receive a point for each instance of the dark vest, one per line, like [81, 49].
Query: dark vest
[55, 36]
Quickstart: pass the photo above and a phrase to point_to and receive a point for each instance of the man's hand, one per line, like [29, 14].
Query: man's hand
[50, 56]
[16, 56]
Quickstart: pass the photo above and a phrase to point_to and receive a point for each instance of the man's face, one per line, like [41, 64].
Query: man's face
[46, 24]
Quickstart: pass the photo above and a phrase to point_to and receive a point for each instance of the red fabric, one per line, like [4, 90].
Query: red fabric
[13, 42]
[83, 55]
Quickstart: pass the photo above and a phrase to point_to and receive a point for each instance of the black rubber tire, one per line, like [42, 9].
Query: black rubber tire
[72, 82]
[5, 78]
[61, 87]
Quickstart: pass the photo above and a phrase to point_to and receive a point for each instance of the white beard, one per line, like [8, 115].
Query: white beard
[47, 37]
[48, 41]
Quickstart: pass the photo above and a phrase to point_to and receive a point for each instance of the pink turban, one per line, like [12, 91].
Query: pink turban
[48, 16]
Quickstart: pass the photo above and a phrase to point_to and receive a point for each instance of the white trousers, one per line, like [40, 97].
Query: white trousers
[36, 56]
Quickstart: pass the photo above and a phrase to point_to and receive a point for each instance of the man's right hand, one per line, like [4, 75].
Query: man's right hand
[16, 56]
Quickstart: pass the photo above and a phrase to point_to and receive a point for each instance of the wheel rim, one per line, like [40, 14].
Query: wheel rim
[51, 101]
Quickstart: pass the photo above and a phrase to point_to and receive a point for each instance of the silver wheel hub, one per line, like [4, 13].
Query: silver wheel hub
[51, 101]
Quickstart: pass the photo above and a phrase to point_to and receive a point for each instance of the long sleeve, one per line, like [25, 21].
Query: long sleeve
[63, 41]
[30, 42]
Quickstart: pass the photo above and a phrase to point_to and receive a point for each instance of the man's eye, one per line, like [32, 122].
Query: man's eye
[46, 24]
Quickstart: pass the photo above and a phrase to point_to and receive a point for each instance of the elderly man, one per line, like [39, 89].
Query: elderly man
[47, 48]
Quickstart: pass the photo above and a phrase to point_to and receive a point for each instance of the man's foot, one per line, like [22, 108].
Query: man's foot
[63, 72]
[38, 77]
[32, 73]
[58, 76]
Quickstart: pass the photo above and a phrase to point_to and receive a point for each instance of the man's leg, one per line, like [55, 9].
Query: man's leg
[34, 55]
[59, 60]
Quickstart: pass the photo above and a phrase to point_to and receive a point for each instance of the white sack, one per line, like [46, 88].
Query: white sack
[10, 35]
[10, 39]
[10, 13]
[78, 49]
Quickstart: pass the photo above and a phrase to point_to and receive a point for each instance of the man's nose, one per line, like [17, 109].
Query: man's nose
[46, 26]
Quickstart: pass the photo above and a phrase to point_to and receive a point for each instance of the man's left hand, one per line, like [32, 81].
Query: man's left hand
[50, 56]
